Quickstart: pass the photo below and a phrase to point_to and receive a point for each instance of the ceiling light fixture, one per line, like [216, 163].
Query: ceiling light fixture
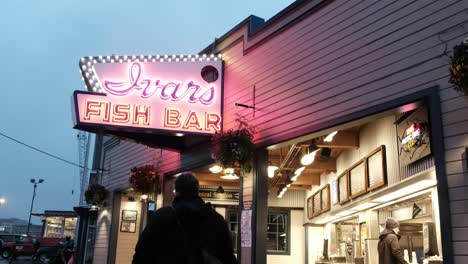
[410, 189]
[329, 138]
[230, 177]
[308, 158]
[216, 169]
[271, 171]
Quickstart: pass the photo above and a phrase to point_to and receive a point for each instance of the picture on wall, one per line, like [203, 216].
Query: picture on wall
[413, 132]
[376, 169]
[129, 227]
[357, 179]
[310, 207]
[129, 215]
[343, 190]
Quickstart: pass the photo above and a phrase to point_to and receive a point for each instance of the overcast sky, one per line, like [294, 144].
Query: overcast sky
[41, 43]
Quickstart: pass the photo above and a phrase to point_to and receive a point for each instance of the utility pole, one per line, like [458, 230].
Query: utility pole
[35, 183]
[83, 151]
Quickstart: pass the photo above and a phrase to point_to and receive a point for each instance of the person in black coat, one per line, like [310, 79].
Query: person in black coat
[186, 231]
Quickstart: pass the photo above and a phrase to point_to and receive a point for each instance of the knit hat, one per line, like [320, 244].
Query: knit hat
[391, 223]
[186, 185]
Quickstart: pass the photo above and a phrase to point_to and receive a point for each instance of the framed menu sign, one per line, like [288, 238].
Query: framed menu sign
[376, 169]
[343, 188]
[320, 202]
[357, 179]
[325, 194]
[310, 207]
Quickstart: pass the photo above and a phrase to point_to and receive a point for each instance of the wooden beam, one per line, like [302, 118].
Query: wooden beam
[234, 183]
[344, 139]
[317, 166]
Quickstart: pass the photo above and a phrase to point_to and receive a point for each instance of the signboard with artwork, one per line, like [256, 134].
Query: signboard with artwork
[413, 136]
[141, 94]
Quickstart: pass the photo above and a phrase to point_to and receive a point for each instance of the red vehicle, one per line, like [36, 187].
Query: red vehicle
[26, 245]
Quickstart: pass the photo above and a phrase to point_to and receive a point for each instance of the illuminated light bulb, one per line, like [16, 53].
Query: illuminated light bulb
[141, 56]
[133, 57]
[288, 185]
[108, 57]
[125, 57]
[219, 55]
[196, 55]
[145, 60]
[169, 59]
[204, 56]
[165, 56]
[82, 59]
[100, 57]
[162, 59]
[200, 59]
[307, 159]
[82, 78]
[94, 88]
[230, 177]
[112, 61]
[271, 171]
[174, 56]
[216, 169]
[144, 197]
[207, 59]
[120, 60]
[185, 59]
[229, 170]
[129, 60]
[294, 178]
[116, 57]
[215, 59]
[83, 67]
[212, 55]
[158, 56]
[193, 59]
[91, 81]
[181, 56]
[177, 59]
[87, 74]
[299, 171]
[329, 138]
[94, 61]
[150, 57]
[89, 63]
[189, 56]
[153, 60]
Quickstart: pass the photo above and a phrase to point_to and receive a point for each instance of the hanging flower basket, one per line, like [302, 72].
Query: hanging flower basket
[144, 179]
[235, 148]
[96, 194]
[459, 68]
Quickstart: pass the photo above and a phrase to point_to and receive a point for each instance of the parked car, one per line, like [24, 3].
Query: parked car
[24, 245]
[52, 253]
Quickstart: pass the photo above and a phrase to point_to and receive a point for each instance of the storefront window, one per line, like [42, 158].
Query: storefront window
[70, 227]
[278, 232]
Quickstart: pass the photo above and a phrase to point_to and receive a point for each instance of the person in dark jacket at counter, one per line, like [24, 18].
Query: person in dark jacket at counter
[189, 231]
[389, 245]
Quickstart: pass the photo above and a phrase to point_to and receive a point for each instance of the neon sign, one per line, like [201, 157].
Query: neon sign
[142, 93]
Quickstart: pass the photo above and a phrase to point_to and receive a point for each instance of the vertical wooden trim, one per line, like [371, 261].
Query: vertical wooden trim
[306, 244]
[437, 143]
[114, 228]
[239, 214]
[260, 206]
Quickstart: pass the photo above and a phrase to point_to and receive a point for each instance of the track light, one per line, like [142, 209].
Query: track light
[329, 138]
[271, 171]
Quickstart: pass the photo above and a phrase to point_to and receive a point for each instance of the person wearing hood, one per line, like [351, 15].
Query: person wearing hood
[389, 245]
[189, 231]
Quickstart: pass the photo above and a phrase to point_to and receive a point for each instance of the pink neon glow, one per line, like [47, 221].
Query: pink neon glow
[172, 90]
[153, 95]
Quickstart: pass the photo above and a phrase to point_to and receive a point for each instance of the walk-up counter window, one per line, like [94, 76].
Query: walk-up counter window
[356, 175]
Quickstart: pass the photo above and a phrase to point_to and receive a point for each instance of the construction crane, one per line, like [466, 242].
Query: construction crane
[84, 139]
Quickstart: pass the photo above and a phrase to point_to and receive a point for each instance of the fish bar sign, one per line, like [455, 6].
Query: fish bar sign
[177, 94]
